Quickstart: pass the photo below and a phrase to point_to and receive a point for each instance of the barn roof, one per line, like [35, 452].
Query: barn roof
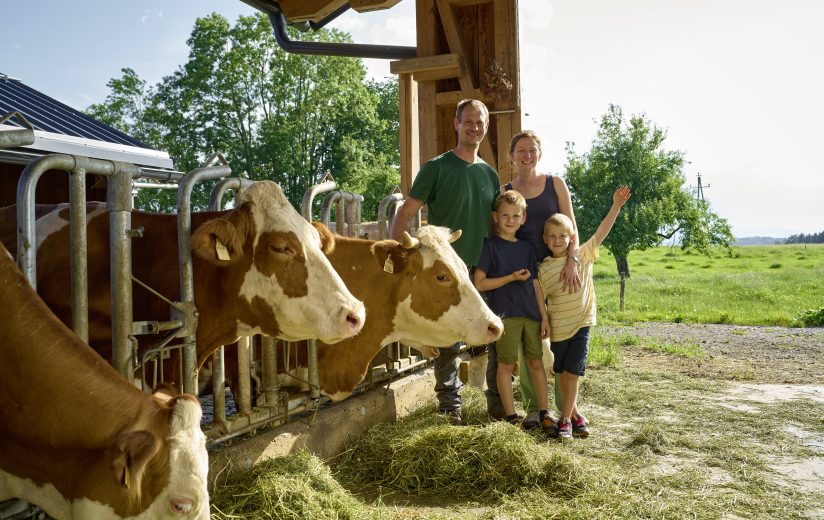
[59, 128]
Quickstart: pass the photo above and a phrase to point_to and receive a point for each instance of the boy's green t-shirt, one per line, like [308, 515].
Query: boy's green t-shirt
[460, 195]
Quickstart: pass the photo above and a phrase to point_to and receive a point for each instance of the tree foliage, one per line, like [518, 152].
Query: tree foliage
[273, 115]
[632, 153]
[801, 238]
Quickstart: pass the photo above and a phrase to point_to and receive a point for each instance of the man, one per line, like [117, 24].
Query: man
[459, 189]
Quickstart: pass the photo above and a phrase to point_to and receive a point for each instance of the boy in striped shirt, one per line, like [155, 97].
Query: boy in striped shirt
[571, 315]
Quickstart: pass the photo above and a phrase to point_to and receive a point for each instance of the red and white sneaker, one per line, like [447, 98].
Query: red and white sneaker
[565, 428]
[580, 426]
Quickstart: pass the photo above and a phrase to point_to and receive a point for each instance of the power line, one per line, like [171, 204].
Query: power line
[699, 190]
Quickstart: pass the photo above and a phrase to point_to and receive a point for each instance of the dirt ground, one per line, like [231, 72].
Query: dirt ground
[764, 364]
[753, 354]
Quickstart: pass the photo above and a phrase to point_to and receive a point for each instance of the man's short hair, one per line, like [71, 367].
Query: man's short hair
[510, 197]
[561, 220]
[475, 104]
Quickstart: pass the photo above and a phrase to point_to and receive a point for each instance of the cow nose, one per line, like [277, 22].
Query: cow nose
[355, 318]
[180, 506]
[494, 331]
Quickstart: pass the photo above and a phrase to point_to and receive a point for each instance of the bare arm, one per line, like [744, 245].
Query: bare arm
[482, 283]
[539, 295]
[404, 216]
[569, 275]
[619, 198]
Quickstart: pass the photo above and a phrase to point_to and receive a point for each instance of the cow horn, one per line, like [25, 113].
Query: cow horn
[455, 235]
[409, 242]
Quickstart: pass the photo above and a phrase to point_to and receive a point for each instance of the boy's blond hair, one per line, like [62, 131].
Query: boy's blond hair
[510, 197]
[561, 220]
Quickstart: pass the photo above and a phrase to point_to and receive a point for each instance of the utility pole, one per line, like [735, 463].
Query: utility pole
[699, 190]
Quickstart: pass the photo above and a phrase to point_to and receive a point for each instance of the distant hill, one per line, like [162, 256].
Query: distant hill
[758, 241]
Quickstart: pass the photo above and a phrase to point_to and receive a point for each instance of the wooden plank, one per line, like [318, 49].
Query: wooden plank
[456, 46]
[363, 6]
[464, 3]
[434, 75]
[309, 10]
[426, 63]
[410, 154]
[452, 98]
[427, 39]
[503, 126]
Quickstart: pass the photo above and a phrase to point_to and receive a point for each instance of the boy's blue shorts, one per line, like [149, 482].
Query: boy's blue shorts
[571, 354]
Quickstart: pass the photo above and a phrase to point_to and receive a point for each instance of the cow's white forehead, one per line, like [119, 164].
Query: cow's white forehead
[436, 239]
[274, 212]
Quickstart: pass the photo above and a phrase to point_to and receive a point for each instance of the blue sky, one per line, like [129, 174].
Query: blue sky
[737, 83]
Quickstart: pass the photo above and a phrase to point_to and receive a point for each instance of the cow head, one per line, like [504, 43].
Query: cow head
[185, 495]
[442, 304]
[288, 284]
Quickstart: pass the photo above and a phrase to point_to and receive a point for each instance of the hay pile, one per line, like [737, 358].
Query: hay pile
[423, 455]
[296, 487]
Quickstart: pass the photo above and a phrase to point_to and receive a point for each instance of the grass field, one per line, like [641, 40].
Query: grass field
[755, 285]
[665, 444]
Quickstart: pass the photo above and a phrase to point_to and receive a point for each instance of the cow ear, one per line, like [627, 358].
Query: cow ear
[218, 241]
[391, 256]
[327, 238]
[164, 392]
[132, 451]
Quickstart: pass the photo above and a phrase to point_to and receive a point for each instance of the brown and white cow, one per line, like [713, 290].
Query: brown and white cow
[273, 278]
[75, 438]
[418, 292]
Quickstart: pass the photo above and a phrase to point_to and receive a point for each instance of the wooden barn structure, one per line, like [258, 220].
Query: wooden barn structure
[465, 49]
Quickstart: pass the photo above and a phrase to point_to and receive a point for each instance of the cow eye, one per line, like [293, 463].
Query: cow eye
[442, 277]
[280, 247]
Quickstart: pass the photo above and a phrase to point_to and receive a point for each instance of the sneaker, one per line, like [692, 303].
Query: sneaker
[565, 428]
[515, 419]
[532, 420]
[580, 426]
[549, 426]
[454, 417]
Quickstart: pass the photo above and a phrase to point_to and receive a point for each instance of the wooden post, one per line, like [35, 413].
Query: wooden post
[410, 155]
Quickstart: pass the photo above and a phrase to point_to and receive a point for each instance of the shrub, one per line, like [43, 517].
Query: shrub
[810, 318]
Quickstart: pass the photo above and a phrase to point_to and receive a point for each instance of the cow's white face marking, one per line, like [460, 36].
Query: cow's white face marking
[188, 464]
[468, 320]
[325, 309]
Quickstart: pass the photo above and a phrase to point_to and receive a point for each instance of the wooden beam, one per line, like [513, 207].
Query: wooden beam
[464, 3]
[408, 117]
[456, 96]
[309, 10]
[426, 16]
[453, 37]
[426, 63]
[363, 6]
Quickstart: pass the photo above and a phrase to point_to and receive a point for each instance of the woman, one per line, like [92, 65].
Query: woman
[545, 195]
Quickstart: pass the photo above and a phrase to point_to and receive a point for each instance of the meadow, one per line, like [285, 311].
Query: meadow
[751, 285]
[672, 438]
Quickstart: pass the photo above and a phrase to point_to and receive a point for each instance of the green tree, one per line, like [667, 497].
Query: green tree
[285, 117]
[632, 153]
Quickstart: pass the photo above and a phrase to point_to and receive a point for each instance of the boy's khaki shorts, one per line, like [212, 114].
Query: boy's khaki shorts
[519, 333]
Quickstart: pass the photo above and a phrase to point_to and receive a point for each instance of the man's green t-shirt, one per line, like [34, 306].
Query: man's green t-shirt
[460, 196]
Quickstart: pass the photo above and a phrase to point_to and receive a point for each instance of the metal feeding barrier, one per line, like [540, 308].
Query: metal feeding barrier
[258, 359]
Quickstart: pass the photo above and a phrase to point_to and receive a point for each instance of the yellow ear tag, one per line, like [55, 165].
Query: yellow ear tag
[389, 266]
[222, 252]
